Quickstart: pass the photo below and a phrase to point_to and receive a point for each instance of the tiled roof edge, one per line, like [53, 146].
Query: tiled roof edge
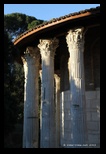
[58, 19]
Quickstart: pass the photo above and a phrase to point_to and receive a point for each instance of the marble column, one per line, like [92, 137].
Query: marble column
[47, 50]
[75, 42]
[31, 97]
[41, 109]
[57, 100]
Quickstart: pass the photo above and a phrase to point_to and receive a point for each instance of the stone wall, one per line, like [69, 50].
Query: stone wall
[92, 117]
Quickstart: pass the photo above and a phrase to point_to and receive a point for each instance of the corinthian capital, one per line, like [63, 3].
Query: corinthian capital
[31, 54]
[32, 51]
[48, 46]
[75, 37]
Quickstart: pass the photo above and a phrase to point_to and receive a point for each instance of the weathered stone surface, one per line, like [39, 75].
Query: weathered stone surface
[31, 94]
[75, 42]
[48, 125]
[90, 94]
[57, 102]
[93, 118]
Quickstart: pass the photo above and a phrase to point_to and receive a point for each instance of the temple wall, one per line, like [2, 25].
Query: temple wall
[92, 118]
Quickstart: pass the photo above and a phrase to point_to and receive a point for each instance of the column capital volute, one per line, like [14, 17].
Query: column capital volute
[48, 46]
[75, 37]
[31, 54]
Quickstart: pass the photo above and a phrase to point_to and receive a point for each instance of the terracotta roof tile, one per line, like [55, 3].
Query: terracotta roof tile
[58, 19]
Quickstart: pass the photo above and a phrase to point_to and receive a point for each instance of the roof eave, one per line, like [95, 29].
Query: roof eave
[28, 33]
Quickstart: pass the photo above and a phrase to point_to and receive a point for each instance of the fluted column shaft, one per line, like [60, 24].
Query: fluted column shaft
[31, 97]
[47, 50]
[57, 100]
[75, 42]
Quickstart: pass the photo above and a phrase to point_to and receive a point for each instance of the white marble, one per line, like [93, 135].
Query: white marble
[75, 42]
[31, 97]
[57, 103]
[47, 50]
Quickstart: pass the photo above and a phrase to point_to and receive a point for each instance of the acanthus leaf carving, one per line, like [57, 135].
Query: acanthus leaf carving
[47, 47]
[75, 37]
[31, 55]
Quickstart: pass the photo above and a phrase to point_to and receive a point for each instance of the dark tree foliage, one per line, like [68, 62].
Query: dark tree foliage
[17, 23]
[13, 87]
[34, 23]
[13, 93]
[14, 25]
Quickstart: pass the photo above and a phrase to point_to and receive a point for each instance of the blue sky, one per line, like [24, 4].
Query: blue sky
[46, 11]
